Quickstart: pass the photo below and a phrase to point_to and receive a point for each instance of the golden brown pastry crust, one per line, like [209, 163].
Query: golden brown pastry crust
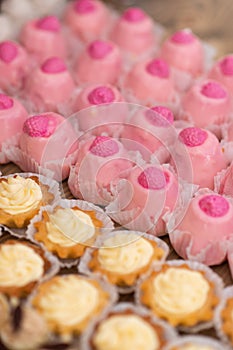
[227, 319]
[72, 252]
[204, 314]
[23, 291]
[127, 279]
[23, 219]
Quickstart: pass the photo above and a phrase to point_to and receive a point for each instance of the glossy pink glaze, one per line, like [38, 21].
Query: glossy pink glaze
[214, 205]
[8, 51]
[184, 51]
[222, 71]
[100, 95]
[6, 102]
[226, 66]
[50, 23]
[153, 179]
[104, 146]
[84, 6]
[213, 90]
[53, 65]
[158, 68]
[193, 137]
[100, 62]
[40, 125]
[134, 14]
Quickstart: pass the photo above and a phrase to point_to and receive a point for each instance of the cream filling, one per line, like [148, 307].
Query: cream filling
[19, 265]
[69, 300]
[124, 333]
[67, 227]
[195, 347]
[19, 195]
[180, 291]
[125, 253]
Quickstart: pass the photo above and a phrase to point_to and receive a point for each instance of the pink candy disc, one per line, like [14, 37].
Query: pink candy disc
[53, 65]
[50, 23]
[100, 95]
[84, 6]
[213, 90]
[134, 14]
[5, 102]
[182, 37]
[8, 51]
[153, 178]
[160, 116]
[99, 49]
[40, 126]
[158, 68]
[104, 146]
[214, 205]
[193, 137]
[226, 65]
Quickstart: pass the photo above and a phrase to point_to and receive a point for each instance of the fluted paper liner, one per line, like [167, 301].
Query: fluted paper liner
[202, 341]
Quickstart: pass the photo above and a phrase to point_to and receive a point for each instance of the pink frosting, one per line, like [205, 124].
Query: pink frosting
[40, 126]
[100, 95]
[213, 90]
[153, 178]
[214, 205]
[8, 51]
[226, 65]
[134, 14]
[104, 146]
[193, 137]
[53, 65]
[183, 37]
[50, 23]
[158, 68]
[160, 116]
[84, 6]
[99, 49]
[5, 102]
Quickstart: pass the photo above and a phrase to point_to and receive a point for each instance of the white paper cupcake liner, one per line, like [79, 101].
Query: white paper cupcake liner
[202, 341]
[169, 333]
[53, 188]
[108, 225]
[227, 294]
[86, 258]
[196, 266]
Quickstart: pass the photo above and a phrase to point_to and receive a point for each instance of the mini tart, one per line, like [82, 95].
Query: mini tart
[180, 295]
[22, 265]
[227, 319]
[69, 303]
[56, 238]
[122, 260]
[4, 310]
[129, 331]
[21, 199]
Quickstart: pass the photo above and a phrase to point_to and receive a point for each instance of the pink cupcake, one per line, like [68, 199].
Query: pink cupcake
[87, 19]
[142, 200]
[204, 152]
[100, 162]
[222, 71]
[50, 86]
[47, 141]
[149, 130]
[150, 82]
[99, 63]
[204, 229]
[134, 32]
[206, 103]
[12, 117]
[43, 38]
[14, 65]
[184, 51]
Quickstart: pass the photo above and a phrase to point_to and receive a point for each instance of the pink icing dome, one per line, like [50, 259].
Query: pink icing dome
[53, 65]
[100, 95]
[226, 65]
[153, 178]
[134, 14]
[5, 102]
[160, 116]
[183, 37]
[213, 90]
[84, 6]
[40, 126]
[8, 51]
[50, 23]
[214, 205]
[104, 146]
[193, 137]
[99, 49]
[159, 68]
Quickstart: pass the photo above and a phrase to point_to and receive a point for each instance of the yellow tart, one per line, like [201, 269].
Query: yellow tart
[227, 319]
